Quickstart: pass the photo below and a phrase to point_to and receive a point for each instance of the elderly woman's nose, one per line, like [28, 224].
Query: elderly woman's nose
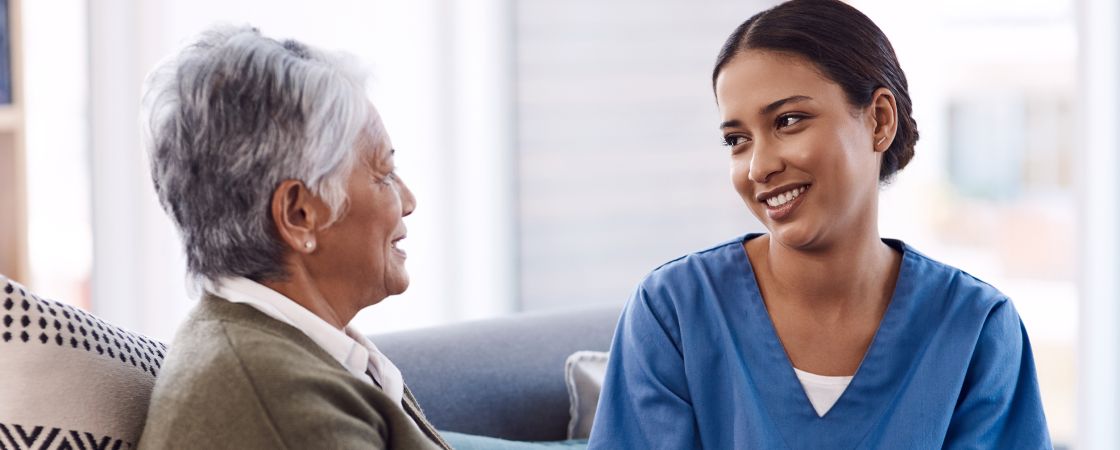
[408, 201]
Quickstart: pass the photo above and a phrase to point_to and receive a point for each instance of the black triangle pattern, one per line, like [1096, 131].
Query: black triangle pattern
[74, 328]
[40, 437]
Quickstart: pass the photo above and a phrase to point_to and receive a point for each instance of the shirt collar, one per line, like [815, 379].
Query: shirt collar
[351, 349]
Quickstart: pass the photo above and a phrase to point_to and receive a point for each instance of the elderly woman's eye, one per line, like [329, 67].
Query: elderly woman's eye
[789, 120]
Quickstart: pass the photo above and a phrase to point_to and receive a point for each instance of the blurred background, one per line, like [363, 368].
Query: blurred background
[560, 150]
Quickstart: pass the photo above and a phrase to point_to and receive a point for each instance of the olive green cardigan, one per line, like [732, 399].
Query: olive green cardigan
[236, 378]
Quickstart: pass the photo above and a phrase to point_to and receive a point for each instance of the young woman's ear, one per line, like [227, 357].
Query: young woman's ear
[296, 215]
[884, 119]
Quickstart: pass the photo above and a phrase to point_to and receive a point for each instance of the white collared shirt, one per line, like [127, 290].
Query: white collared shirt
[353, 350]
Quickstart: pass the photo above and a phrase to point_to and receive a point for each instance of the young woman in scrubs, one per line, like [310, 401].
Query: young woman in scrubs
[819, 334]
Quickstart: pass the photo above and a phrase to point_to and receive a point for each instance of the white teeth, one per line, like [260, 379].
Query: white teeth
[785, 197]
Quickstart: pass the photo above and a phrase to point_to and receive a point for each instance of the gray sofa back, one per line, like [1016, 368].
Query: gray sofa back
[499, 377]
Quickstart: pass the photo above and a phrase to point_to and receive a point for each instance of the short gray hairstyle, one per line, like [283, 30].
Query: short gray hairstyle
[230, 117]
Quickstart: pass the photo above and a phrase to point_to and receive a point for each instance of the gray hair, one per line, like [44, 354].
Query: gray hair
[229, 118]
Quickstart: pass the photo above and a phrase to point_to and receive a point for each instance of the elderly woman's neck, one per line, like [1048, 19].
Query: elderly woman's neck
[300, 288]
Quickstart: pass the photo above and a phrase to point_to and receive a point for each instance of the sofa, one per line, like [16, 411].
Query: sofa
[69, 379]
[501, 377]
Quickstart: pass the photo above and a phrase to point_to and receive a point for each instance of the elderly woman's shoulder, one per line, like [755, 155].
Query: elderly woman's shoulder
[220, 336]
[233, 373]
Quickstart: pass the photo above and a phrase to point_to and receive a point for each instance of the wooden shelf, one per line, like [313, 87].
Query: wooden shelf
[11, 118]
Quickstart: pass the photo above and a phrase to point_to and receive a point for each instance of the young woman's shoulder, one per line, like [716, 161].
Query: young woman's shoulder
[700, 266]
[953, 288]
[694, 286]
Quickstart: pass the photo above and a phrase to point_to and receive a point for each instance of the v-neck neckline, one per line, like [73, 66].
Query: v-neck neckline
[876, 374]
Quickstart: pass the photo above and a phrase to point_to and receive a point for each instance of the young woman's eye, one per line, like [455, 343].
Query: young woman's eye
[733, 140]
[789, 120]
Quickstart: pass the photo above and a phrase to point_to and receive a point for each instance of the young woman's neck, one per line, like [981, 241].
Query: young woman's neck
[853, 269]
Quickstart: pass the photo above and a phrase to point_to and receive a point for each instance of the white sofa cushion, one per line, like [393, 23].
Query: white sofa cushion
[584, 372]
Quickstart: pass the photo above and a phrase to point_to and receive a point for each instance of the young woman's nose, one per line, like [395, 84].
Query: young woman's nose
[765, 162]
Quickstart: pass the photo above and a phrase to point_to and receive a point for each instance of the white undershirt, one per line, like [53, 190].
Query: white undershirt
[353, 350]
[823, 391]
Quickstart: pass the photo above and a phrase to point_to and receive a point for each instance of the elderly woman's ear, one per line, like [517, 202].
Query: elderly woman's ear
[297, 214]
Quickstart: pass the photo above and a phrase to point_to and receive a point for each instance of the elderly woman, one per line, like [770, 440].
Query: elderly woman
[279, 175]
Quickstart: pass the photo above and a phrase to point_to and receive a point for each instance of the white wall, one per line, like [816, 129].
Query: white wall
[1099, 189]
[56, 112]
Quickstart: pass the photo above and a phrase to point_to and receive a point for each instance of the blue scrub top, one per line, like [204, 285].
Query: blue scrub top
[696, 363]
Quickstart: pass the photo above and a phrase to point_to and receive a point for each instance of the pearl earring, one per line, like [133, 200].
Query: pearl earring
[309, 245]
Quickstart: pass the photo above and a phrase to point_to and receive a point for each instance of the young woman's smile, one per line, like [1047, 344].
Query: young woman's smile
[781, 202]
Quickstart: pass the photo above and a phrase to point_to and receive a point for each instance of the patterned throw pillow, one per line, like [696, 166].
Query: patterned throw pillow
[69, 379]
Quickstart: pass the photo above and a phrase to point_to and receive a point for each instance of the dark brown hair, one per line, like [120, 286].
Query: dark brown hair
[846, 46]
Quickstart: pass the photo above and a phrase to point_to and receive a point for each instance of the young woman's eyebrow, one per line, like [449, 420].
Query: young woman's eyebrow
[778, 104]
[766, 110]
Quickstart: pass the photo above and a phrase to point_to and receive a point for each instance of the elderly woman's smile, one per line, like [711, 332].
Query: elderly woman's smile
[396, 247]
